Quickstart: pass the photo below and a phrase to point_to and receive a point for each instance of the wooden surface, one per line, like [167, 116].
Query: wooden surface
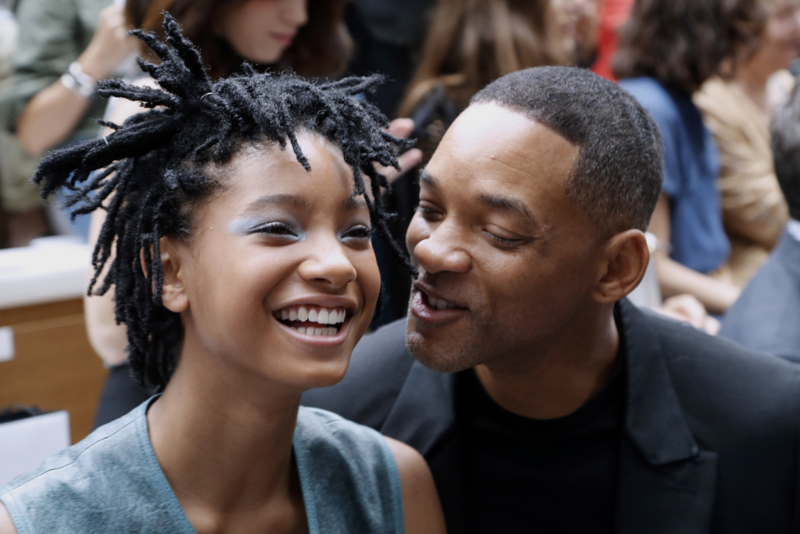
[54, 367]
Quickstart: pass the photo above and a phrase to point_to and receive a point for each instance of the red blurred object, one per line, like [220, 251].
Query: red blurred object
[613, 14]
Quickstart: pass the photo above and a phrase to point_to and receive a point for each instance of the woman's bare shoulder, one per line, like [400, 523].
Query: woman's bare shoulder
[6, 524]
[422, 511]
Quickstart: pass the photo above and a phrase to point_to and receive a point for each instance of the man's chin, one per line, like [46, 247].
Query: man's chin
[437, 356]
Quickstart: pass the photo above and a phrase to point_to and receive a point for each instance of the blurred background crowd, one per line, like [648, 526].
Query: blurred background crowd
[711, 72]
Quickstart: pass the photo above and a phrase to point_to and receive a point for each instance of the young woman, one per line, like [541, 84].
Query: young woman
[668, 49]
[244, 273]
[307, 36]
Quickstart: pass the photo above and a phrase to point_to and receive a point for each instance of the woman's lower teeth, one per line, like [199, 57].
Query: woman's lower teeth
[311, 331]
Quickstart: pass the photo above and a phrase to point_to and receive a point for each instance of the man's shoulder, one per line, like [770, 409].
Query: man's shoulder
[764, 317]
[377, 372]
[722, 382]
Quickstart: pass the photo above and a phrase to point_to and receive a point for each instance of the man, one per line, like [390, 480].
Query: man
[542, 400]
[766, 317]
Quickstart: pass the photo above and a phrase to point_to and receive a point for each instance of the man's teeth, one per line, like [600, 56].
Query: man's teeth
[439, 304]
[314, 315]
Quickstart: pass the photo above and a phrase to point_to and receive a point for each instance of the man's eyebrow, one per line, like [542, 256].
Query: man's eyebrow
[293, 201]
[512, 205]
[426, 178]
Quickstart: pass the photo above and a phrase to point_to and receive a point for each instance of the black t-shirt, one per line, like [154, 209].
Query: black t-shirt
[541, 476]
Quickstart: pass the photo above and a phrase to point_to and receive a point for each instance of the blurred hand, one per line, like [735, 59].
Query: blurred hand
[409, 159]
[110, 44]
[688, 309]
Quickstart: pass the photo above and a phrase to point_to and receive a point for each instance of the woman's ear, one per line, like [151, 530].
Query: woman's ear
[626, 258]
[173, 291]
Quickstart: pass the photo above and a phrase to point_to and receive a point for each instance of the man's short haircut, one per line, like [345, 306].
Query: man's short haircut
[620, 166]
[785, 133]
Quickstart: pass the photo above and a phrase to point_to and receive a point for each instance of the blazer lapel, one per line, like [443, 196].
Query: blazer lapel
[666, 484]
[424, 416]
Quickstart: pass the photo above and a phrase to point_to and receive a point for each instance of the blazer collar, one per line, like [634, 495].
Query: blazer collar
[654, 421]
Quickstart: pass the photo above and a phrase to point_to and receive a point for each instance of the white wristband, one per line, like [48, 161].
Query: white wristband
[78, 81]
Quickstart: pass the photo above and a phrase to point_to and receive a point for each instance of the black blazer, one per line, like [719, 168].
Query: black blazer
[767, 315]
[711, 440]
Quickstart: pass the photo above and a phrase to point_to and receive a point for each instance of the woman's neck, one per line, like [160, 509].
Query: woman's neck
[226, 448]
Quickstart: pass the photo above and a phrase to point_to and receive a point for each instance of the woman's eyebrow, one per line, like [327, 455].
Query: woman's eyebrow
[294, 201]
[354, 203]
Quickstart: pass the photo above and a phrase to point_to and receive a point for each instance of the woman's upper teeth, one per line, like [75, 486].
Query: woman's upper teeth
[315, 315]
[440, 304]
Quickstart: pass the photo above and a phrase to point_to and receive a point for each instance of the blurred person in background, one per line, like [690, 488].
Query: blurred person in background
[63, 48]
[579, 24]
[668, 49]
[469, 44]
[738, 111]
[765, 318]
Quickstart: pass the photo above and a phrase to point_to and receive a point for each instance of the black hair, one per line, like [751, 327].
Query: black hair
[620, 165]
[785, 141]
[683, 43]
[155, 168]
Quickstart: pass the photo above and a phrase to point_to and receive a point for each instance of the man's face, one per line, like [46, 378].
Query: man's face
[507, 261]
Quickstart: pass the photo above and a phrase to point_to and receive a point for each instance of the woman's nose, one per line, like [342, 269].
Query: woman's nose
[330, 265]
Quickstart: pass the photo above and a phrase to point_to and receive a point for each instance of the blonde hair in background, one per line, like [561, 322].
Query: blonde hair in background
[473, 42]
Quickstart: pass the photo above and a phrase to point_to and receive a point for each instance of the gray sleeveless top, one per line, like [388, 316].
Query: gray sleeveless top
[111, 482]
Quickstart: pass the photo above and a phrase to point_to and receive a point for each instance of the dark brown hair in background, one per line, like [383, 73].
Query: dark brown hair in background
[473, 42]
[322, 47]
[682, 43]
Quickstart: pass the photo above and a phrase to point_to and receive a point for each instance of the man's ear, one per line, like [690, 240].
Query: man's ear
[626, 257]
[173, 291]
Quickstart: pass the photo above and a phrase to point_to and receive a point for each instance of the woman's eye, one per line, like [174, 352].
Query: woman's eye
[276, 229]
[426, 212]
[359, 231]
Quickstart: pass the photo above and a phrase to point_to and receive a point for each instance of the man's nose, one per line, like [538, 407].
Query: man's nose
[443, 249]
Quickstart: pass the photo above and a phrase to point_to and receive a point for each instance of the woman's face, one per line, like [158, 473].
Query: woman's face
[570, 16]
[780, 43]
[279, 280]
[261, 30]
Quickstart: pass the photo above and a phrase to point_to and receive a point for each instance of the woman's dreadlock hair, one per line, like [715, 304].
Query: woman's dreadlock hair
[154, 169]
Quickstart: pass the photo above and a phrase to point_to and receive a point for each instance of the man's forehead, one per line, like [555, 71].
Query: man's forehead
[492, 136]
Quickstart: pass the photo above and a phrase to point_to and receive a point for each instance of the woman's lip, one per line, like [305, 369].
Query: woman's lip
[283, 38]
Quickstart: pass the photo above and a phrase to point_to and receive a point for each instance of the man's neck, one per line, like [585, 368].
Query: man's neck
[556, 382]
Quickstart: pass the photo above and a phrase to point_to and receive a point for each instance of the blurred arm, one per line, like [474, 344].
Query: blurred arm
[675, 278]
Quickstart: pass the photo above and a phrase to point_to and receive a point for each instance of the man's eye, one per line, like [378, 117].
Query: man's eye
[359, 231]
[276, 229]
[504, 241]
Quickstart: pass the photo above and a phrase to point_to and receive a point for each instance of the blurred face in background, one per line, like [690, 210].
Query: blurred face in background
[261, 30]
[577, 21]
[780, 41]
